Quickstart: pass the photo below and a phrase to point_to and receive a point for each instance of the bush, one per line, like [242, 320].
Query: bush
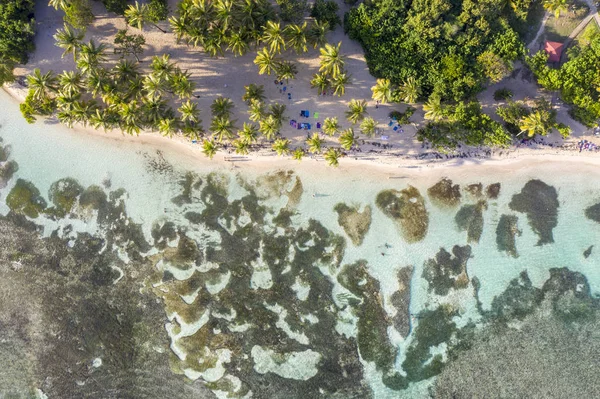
[503, 94]
[158, 10]
[16, 35]
[292, 10]
[584, 116]
[326, 11]
[403, 118]
[116, 6]
[564, 130]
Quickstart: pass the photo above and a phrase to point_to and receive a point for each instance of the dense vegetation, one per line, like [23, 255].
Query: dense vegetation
[578, 80]
[16, 35]
[450, 48]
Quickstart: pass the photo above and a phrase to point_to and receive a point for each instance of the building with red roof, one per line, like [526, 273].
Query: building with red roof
[554, 50]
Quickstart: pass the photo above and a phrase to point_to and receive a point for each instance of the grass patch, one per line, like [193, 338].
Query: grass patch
[590, 32]
[558, 30]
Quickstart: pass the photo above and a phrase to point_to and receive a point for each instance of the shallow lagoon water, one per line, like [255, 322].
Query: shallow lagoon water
[152, 178]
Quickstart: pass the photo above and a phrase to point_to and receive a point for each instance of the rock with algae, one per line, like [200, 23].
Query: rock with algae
[401, 301]
[354, 222]
[506, 233]
[470, 218]
[444, 194]
[406, 208]
[25, 199]
[447, 270]
[539, 202]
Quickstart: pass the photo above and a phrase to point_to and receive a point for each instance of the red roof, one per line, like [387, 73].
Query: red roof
[554, 50]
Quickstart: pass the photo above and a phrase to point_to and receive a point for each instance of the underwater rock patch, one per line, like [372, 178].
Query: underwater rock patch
[407, 209]
[355, 223]
[588, 252]
[444, 194]
[539, 202]
[217, 316]
[7, 171]
[401, 301]
[593, 213]
[475, 190]
[447, 270]
[190, 182]
[25, 199]
[373, 340]
[63, 194]
[493, 190]
[470, 218]
[506, 233]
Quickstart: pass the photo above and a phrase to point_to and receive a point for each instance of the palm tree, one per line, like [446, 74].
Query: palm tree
[320, 81]
[286, 70]
[67, 118]
[249, 133]
[278, 112]
[242, 147]
[382, 91]
[256, 110]
[179, 27]
[273, 37]
[189, 112]
[410, 90]
[105, 119]
[339, 84]
[65, 101]
[60, 4]
[154, 87]
[222, 127]
[348, 139]
[213, 44]
[296, 37]
[368, 126]
[237, 44]
[96, 52]
[281, 146]
[332, 156]
[42, 85]
[266, 61]
[269, 127]
[556, 6]
[434, 110]
[332, 61]
[130, 117]
[298, 154]
[534, 123]
[209, 148]
[314, 143]
[331, 126]
[168, 126]
[221, 106]
[69, 40]
[182, 85]
[223, 9]
[125, 71]
[316, 33]
[154, 110]
[192, 131]
[253, 92]
[137, 16]
[356, 110]
[99, 82]
[162, 67]
[70, 82]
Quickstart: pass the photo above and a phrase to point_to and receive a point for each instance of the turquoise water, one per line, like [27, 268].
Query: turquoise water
[260, 280]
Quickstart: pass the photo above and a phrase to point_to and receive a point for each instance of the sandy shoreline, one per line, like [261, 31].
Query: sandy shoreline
[359, 164]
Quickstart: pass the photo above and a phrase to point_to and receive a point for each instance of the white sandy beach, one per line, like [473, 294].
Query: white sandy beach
[227, 76]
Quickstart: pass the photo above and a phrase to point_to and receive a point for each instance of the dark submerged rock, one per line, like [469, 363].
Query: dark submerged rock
[444, 193]
[470, 218]
[493, 190]
[539, 202]
[407, 209]
[356, 224]
[506, 233]
[588, 252]
[475, 190]
[25, 199]
[447, 271]
[593, 213]
[401, 301]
